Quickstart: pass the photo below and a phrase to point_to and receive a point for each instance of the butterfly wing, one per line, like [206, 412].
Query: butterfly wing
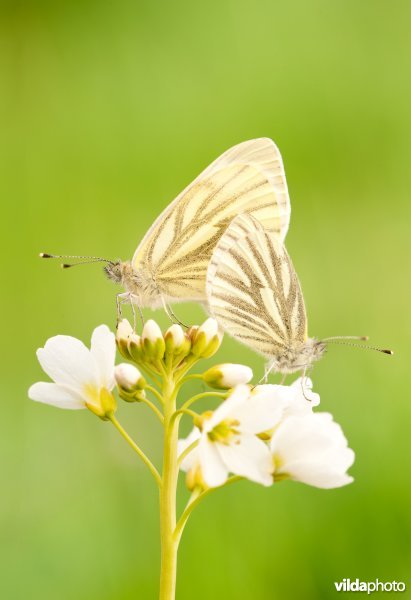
[248, 178]
[253, 290]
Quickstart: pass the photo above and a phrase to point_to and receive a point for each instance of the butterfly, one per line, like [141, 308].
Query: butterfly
[254, 293]
[170, 264]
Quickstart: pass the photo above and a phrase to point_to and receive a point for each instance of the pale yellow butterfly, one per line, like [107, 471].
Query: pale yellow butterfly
[170, 264]
[254, 293]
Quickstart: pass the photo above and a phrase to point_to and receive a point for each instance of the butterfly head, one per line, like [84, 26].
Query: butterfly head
[135, 282]
[298, 356]
[115, 271]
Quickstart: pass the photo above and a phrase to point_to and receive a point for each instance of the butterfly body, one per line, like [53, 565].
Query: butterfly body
[297, 357]
[139, 284]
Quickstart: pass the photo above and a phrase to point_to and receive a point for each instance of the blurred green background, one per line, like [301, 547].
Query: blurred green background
[107, 111]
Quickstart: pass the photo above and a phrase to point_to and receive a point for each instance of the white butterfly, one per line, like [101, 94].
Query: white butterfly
[170, 264]
[254, 293]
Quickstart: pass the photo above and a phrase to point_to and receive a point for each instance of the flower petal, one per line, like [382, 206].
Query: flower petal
[67, 360]
[259, 413]
[248, 457]
[103, 350]
[319, 475]
[238, 396]
[191, 460]
[297, 401]
[56, 395]
[213, 470]
[312, 449]
[305, 396]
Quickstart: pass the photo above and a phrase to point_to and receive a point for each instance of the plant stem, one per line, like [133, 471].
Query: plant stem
[191, 377]
[179, 413]
[155, 392]
[154, 408]
[201, 396]
[195, 501]
[168, 492]
[137, 449]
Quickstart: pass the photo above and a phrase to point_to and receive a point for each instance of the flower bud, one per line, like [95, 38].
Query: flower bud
[177, 343]
[191, 332]
[136, 396]
[124, 331]
[153, 341]
[206, 340]
[135, 347]
[227, 376]
[129, 378]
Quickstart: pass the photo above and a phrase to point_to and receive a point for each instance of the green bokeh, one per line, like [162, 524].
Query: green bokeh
[107, 111]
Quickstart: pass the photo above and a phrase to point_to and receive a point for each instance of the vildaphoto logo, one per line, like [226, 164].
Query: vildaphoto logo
[355, 585]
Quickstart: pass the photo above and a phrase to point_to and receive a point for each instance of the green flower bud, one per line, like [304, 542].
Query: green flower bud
[124, 331]
[129, 378]
[206, 339]
[152, 341]
[137, 396]
[177, 342]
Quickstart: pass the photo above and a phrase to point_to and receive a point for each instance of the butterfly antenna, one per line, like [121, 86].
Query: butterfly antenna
[362, 338]
[339, 340]
[83, 260]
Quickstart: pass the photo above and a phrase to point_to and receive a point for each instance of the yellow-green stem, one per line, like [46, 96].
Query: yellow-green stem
[136, 449]
[194, 501]
[168, 492]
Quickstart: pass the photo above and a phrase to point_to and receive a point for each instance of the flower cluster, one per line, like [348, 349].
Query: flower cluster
[265, 433]
[175, 347]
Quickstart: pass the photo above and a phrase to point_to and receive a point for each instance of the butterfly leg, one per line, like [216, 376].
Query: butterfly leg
[127, 297]
[119, 302]
[133, 310]
[176, 319]
[268, 367]
[135, 305]
[303, 386]
[170, 314]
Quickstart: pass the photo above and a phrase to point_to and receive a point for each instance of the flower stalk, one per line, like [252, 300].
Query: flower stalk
[265, 433]
[168, 494]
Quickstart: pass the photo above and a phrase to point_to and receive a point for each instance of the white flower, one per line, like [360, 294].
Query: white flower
[312, 448]
[128, 377]
[228, 440]
[227, 376]
[82, 378]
